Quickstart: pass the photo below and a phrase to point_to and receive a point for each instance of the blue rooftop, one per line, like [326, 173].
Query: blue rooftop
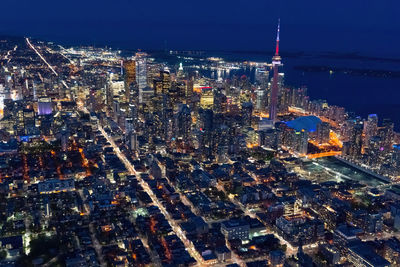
[308, 123]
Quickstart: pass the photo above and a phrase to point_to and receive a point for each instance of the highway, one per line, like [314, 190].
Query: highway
[44, 60]
[175, 227]
[62, 54]
[41, 57]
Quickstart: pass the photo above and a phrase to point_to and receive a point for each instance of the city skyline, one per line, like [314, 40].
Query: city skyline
[136, 155]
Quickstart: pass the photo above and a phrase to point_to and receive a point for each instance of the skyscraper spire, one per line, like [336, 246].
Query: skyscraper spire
[276, 62]
[277, 38]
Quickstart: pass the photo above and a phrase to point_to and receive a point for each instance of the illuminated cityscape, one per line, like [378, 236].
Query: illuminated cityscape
[122, 157]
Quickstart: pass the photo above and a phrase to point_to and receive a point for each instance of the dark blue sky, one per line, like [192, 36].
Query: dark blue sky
[366, 26]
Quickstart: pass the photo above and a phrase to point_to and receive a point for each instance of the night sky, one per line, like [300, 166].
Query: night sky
[365, 26]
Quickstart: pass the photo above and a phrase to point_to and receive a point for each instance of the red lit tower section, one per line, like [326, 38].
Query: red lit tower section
[276, 62]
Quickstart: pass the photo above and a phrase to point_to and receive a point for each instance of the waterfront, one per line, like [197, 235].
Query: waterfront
[361, 94]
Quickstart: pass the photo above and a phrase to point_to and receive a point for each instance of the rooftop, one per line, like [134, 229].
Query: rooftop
[308, 123]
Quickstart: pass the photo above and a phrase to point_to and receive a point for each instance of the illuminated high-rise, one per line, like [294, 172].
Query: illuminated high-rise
[183, 122]
[130, 77]
[157, 86]
[356, 141]
[387, 134]
[370, 127]
[207, 98]
[166, 80]
[261, 77]
[260, 99]
[180, 74]
[141, 74]
[130, 71]
[276, 62]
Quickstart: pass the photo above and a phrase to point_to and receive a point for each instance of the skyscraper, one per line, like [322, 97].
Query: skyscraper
[141, 73]
[260, 99]
[356, 141]
[130, 77]
[322, 133]
[166, 80]
[157, 86]
[276, 62]
[130, 71]
[181, 74]
[370, 127]
[261, 76]
[183, 122]
[387, 134]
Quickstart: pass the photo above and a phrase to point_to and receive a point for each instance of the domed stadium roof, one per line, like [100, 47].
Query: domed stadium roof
[308, 123]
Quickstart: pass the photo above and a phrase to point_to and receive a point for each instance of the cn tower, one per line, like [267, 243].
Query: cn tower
[276, 62]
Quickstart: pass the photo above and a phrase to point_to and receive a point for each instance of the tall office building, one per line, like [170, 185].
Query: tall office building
[180, 74]
[356, 141]
[130, 77]
[261, 77]
[130, 71]
[276, 62]
[247, 112]
[373, 151]
[157, 86]
[323, 132]
[260, 99]
[183, 121]
[207, 127]
[166, 80]
[189, 88]
[370, 128]
[207, 98]
[29, 122]
[141, 74]
[387, 134]
[301, 141]
[396, 157]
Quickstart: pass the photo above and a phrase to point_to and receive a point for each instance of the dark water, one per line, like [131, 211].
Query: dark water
[362, 94]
